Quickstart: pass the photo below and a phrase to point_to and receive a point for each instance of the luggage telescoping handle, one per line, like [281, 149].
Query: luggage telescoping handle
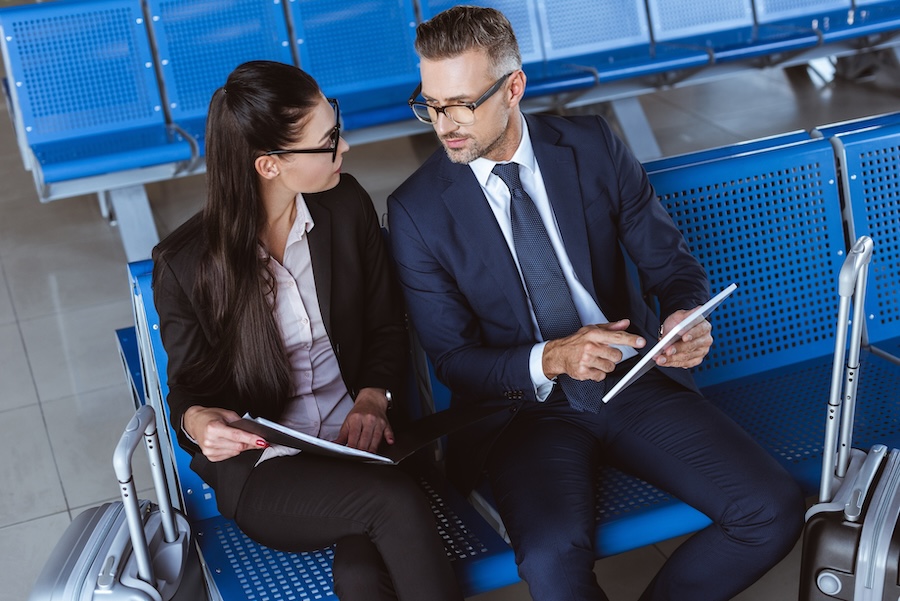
[143, 426]
[844, 376]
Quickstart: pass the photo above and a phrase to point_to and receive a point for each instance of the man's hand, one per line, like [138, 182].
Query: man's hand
[587, 354]
[218, 441]
[689, 350]
[367, 422]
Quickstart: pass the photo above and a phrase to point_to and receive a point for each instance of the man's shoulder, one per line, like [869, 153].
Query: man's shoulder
[543, 126]
[432, 175]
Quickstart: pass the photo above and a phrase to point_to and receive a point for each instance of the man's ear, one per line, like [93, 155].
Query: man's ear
[516, 87]
[266, 166]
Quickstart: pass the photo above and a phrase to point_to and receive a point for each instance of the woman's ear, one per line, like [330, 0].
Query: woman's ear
[266, 166]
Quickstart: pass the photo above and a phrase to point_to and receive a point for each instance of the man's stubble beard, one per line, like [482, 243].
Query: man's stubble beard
[465, 156]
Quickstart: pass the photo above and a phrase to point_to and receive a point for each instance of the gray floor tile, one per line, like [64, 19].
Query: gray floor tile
[83, 431]
[781, 583]
[75, 351]
[26, 222]
[624, 577]
[16, 380]
[45, 279]
[31, 486]
[24, 549]
[174, 201]
[7, 314]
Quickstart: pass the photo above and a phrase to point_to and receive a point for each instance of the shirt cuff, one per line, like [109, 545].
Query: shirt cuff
[542, 385]
[185, 432]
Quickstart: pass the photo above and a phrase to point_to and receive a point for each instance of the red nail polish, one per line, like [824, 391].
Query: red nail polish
[262, 443]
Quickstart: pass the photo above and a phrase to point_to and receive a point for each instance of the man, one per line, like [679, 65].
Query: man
[509, 244]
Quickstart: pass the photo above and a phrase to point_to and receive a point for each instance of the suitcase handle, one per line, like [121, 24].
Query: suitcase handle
[142, 427]
[844, 380]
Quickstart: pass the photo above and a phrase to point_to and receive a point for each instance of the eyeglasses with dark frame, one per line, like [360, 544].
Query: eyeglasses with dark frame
[335, 137]
[460, 114]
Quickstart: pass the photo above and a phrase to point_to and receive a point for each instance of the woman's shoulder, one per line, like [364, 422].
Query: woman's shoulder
[184, 242]
[176, 257]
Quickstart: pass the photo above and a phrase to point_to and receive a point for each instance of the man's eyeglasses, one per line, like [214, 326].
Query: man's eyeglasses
[335, 137]
[460, 114]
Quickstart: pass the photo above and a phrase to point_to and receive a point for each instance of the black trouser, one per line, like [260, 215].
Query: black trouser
[543, 467]
[385, 532]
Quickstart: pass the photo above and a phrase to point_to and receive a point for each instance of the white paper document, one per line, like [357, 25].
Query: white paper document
[647, 361]
[274, 432]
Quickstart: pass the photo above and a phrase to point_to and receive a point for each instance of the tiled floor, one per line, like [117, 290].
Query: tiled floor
[63, 292]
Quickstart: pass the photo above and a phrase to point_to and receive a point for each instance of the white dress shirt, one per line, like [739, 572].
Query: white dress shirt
[320, 401]
[498, 197]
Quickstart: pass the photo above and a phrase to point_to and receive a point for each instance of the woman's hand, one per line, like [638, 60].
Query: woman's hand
[367, 422]
[208, 426]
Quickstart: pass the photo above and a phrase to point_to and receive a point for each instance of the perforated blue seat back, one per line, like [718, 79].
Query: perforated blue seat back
[769, 221]
[870, 164]
[816, 13]
[674, 20]
[578, 27]
[81, 68]
[360, 52]
[201, 41]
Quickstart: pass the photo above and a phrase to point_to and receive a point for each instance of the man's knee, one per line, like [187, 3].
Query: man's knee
[771, 518]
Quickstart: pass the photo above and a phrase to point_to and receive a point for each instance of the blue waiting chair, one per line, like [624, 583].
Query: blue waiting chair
[770, 221]
[869, 160]
[240, 568]
[361, 53]
[877, 18]
[727, 28]
[832, 129]
[87, 107]
[832, 20]
[199, 42]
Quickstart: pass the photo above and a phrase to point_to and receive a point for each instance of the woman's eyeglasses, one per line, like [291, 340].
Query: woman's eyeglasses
[335, 137]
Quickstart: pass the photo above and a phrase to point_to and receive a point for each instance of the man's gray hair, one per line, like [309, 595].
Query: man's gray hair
[461, 29]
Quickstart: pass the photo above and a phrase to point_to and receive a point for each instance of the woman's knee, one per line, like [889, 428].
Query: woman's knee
[359, 571]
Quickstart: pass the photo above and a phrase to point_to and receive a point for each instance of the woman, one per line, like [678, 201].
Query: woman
[277, 300]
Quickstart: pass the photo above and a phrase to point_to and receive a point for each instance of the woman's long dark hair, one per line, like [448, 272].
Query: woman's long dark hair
[263, 106]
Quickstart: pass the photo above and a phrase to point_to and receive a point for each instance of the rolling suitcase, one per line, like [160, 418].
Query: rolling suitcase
[851, 542]
[126, 549]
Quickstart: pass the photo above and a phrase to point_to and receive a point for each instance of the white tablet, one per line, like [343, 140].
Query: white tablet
[647, 361]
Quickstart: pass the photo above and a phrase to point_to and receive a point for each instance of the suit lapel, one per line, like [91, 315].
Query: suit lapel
[466, 202]
[563, 187]
[320, 254]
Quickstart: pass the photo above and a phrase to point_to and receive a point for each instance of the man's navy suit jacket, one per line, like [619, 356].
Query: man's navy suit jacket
[463, 290]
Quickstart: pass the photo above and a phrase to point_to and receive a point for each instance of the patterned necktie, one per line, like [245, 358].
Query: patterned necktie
[550, 296]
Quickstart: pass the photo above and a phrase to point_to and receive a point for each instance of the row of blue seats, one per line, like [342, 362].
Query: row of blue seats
[776, 216]
[109, 95]
[111, 86]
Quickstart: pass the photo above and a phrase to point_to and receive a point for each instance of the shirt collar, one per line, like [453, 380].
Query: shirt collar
[303, 222]
[524, 156]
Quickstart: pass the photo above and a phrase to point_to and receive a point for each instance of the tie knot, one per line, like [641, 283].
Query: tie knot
[509, 173]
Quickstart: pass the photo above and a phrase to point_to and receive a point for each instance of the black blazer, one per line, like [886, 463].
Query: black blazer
[358, 297]
[464, 293]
